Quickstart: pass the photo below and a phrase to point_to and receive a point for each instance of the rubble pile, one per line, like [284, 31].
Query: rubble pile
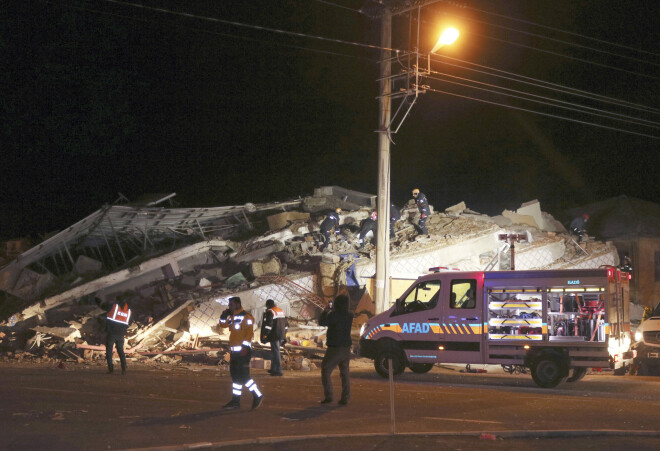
[181, 267]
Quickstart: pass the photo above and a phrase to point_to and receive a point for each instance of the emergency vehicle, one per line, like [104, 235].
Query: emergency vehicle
[647, 345]
[558, 323]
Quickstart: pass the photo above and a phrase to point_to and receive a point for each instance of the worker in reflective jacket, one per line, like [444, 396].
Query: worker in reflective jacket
[241, 332]
[273, 330]
[424, 210]
[116, 324]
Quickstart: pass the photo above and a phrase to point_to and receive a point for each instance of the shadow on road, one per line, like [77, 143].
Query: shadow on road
[309, 413]
[190, 418]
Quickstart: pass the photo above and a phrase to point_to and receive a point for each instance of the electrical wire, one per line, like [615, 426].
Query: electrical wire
[541, 113]
[635, 121]
[250, 26]
[548, 38]
[339, 6]
[546, 84]
[582, 60]
[216, 33]
[557, 30]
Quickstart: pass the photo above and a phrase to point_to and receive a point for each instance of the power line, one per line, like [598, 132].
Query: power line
[339, 6]
[251, 26]
[229, 35]
[548, 85]
[558, 30]
[548, 38]
[541, 113]
[635, 121]
[568, 57]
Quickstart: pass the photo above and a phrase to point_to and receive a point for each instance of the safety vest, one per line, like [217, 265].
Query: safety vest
[120, 315]
[277, 312]
[241, 329]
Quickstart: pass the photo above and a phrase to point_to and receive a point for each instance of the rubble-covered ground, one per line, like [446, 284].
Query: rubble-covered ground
[179, 276]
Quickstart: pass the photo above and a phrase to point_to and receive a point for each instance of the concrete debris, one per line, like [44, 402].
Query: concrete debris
[177, 297]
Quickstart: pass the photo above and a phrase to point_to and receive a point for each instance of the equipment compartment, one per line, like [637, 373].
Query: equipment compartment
[515, 314]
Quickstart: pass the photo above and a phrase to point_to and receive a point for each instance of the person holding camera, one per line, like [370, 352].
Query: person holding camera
[339, 321]
[241, 333]
[273, 330]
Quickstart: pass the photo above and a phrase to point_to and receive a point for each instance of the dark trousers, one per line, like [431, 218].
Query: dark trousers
[422, 225]
[276, 358]
[110, 342]
[336, 356]
[392, 222]
[326, 235]
[239, 367]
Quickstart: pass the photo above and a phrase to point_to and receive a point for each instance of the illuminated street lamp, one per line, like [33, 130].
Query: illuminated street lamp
[385, 103]
[446, 38]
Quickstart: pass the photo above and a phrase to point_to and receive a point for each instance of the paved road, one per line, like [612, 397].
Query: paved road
[81, 407]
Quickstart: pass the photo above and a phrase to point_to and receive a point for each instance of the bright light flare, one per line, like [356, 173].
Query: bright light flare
[446, 38]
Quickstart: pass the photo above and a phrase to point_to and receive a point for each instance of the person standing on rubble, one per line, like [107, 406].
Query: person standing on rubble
[241, 333]
[273, 330]
[368, 225]
[329, 223]
[339, 321]
[577, 226]
[116, 324]
[424, 210]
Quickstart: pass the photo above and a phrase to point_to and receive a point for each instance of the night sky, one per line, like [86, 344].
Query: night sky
[101, 97]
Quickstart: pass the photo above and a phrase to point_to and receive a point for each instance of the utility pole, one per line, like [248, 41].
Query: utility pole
[385, 104]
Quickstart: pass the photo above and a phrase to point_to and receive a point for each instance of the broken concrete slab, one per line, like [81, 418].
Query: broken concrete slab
[456, 210]
[86, 265]
[281, 220]
[520, 219]
[260, 253]
[533, 209]
[269, 266]
[66, 333]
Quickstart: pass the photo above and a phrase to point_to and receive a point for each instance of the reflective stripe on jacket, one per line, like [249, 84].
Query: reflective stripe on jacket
[241, 328]
[119, 314]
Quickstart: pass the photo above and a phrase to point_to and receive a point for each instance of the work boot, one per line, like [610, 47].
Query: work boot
[256, 402]
[235, 403]
[123, 371]
[110, 370]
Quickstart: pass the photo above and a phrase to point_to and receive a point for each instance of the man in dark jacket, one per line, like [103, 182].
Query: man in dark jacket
[329, 223]
[424, 210]
[116, 324]
[368, 225]
[273, 330]
[578, 226]
[339, 321]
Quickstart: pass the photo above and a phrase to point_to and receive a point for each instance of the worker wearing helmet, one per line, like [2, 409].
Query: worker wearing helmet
[369, 225]
[424, 210]
[330, 223]
[577, 226]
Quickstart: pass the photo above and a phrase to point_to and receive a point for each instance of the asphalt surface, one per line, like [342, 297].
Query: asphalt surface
[179, 407]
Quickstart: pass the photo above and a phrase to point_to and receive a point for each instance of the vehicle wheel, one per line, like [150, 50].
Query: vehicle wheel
[578, 373]
[381, 362]
[621, 371]
[547, 373]
[420, 368]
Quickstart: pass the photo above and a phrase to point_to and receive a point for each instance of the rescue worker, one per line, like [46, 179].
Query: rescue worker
[241, 326]
[368, 225]
[329, 223]
[577, 226]
[424, 210]
[116, 324]
[339, 322]
[626, 265]
[395, 215]
[273, 330]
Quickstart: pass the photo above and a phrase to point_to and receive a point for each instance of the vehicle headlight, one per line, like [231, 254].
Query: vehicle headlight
[639, 336]
[362, 329]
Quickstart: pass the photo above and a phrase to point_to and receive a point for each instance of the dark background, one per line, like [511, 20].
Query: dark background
[104, 97]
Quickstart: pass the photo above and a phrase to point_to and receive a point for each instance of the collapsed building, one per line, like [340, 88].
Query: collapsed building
[180, 266]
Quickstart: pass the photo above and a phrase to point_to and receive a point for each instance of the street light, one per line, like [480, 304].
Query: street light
[446, 38]
[382, 235]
